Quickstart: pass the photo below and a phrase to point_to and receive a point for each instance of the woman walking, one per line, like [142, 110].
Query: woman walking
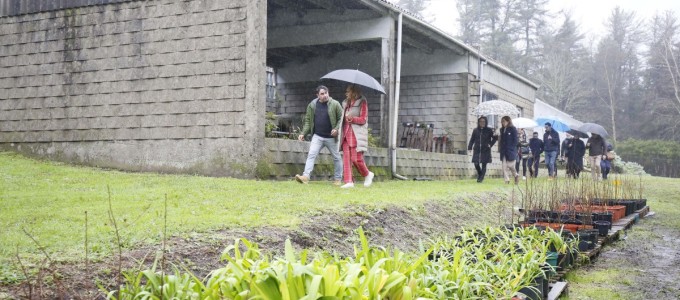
[354, 136]
[480, 144]
[508, 149]
[523, 152]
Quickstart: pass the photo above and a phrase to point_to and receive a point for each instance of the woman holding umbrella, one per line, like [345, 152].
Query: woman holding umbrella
[480, 144]
[508, 141]
[354, 136]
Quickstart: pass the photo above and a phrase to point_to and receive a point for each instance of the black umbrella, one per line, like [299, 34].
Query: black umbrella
[356, 77]
[593, 128]
[578, 134]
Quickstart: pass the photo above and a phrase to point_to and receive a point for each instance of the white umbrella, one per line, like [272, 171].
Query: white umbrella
[357, 77]
[524, 123]
[495, 107]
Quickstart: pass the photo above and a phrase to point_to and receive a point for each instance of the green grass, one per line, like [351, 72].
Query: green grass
[49, 200]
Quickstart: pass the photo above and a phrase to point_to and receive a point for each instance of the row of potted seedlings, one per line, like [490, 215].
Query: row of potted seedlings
[584, 207]
[489, 263]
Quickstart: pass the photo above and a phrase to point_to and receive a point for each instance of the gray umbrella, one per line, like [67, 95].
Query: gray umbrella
[593, 128]
[356, 77]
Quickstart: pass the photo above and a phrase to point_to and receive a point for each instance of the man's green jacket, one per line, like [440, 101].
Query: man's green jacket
[334, 110]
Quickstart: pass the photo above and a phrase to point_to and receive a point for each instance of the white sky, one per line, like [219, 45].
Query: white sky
[589, 14]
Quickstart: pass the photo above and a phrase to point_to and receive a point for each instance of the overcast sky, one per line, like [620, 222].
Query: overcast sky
[590, 14]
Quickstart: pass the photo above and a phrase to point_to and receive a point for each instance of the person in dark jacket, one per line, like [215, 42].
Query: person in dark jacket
[563, 149]
[507, 147]
[536, 147]
[575, 150]
[606, 164]
[522, 153]
[480, 144]
[551, 147]
[596, 149]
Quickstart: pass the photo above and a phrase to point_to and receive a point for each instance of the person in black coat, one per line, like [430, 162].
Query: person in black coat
[575, 150]
[536, 147]
[596, 149]
[523, 152]
[480, 144]
[507, 147]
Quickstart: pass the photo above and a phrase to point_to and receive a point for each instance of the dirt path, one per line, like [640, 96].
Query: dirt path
[645, 265]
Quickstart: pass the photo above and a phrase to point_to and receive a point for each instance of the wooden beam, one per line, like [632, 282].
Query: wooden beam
[329, 33]
[292, 5]
[416, 44]
[329, 5]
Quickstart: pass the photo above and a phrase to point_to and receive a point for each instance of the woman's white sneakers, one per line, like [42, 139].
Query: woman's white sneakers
[369, 179]
[347, 185]
[367, 182]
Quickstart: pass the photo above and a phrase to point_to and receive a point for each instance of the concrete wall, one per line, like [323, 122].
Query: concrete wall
[438, 100]
[285, 158]
[168, 85]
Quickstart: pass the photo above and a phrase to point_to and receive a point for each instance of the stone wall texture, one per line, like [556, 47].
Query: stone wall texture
[285, 158]
[165, 85]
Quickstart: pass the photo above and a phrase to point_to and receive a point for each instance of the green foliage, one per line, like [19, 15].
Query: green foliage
[270, 124]
[655, 148]
[373, 141]
[488, 263]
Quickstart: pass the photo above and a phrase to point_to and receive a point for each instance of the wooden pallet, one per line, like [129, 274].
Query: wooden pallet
[557, 290]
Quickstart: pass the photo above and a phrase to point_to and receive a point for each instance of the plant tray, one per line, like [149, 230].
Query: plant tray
[573, 228]
[618, 211]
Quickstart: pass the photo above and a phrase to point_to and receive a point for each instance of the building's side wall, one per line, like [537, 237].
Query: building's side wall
[166, 85]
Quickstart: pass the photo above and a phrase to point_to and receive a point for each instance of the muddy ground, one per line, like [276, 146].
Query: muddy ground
[333, 231]
[645, 264]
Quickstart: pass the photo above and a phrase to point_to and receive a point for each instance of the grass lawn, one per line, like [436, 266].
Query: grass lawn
[49, 200]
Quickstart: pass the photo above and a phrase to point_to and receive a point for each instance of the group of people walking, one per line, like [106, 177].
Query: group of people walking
[343, 127]
[515, 150]
[330, 122]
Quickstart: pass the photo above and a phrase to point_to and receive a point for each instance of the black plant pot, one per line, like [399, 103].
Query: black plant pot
[602, 227]
[585, 218]
[641, 203]
[536, 292]
[547, 272]
[591, 234]
[584, 245]
[603, 216]
[630, 206]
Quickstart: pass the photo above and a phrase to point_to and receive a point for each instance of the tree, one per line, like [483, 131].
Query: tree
[662, 78]
[493, 26]
[616, 63]
[417, 7]
[531, 15]
[561, 72]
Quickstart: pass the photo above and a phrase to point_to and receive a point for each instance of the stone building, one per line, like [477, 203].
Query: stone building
[183, 86]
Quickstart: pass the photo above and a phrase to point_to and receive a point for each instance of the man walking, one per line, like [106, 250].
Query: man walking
[551, 146]
[322, 120]
[536, 146]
